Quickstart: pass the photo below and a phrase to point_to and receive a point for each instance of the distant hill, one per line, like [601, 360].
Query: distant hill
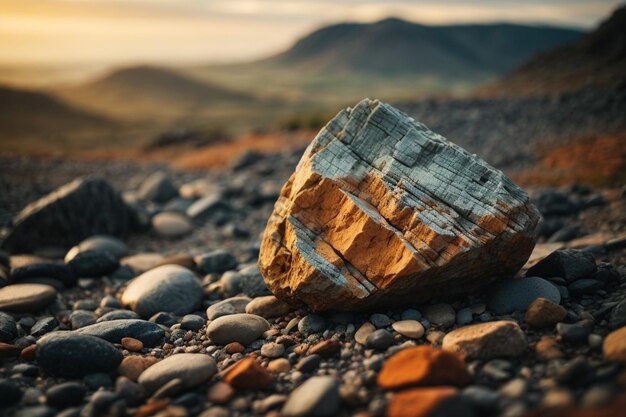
[393, 46]
[35, 114]
[144, 91]
[597, 58]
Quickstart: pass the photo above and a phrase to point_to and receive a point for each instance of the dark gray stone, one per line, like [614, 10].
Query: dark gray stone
[118, 315]
[309, 363]
[511, 295]
[570, 264]
[217, 261]
[584, 286]
[192, 322]
[617, 318]
[575, 333]
[8, 327]
[10, 393]
[75, 211]
[43, 326]
[70, 355]
[65, 395]
[312, 323]
[380, 339]
[158, 187]
[93, 264]
[60, 272]
[82, 318]
[36, 411]
[113, 331]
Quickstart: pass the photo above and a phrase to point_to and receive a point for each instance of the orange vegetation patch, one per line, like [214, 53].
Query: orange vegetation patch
[223, 154]
[598, 160]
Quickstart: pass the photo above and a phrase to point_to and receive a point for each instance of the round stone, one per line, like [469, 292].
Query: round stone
[412, 329]
[242, 328]
[69, 355]
[22, 298]
[8, 327]
[171, 224]
[272, 350]
[105, 243]
[192, 368]
[380, 320]
[192, 322]
[93, 264]
[440, 314]
[363, 332]
[312, 323]
[318, 396]
[497, 339]
[268, 306]
[544, 313]
[380, 339]
[464, 316]
[517, 294]
[279, 366]
[217, 261]
[170, 288]
[233, 305]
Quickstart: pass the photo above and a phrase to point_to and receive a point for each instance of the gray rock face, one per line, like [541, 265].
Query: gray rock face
[77, 210]
[70, 355]
[191, 368]
[242, 328]
[21, 298]
[381, 210]
[169, 288]
[113, 331]
[317, 397]
[517, 294]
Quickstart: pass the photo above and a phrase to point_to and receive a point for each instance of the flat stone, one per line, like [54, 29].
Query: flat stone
[272, 350]
[93, 264]
[65, 395]
[381, 210]
[192, 322]
[279, 366]
[569, 264]
[171, 224]
[242, 328]
[105, 243]
[118, 315]
[497, 339]
[309, 363]
[247, 374]
[59, 272]
[317, 397]
[268, 306]
[70, 355]
[233, 305]
[544, 313]
[25, 298]
[614, 346]
[170, 288]
[114, 331]
[440, 314]
[423, 366]
[325, 348]
[131, 344]
[575, 333]
[43, 326]
[512, 295]
[142, 262]
[192, 368]
[412, 329]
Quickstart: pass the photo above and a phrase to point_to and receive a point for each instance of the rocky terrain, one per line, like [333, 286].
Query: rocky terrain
[175, 319]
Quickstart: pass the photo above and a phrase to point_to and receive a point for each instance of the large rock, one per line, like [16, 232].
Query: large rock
[381, 210]
[75, 211]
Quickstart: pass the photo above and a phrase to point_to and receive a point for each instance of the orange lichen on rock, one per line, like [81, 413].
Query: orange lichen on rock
[423, 366]
[381, 210]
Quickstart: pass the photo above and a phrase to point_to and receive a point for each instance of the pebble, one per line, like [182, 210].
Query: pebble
[614, 346]
[129, 390]
[170, 224]
[82, 318]
[131, 344]
[170, 288]
[217, 261]
[97, 380]
[317, 397]
[543, 313]
[133, 366]
[569, 264]
[247, 374]
[8, 327]
[511, 295]
[65, 395]
[104, 243]
[547, 349]
[464, 316]
[423, 402]
[60, 272]
[26, 298]
[575, 333]
[411, 314]
[380, 320]
[142, 262]
[36, 411]
[498, 339]
[114, 331]
[193, 369]
[192, 322]
[309, 363]
[118, 315]
[233, 305]
[234, 347]
[10, 393]
[252, 283]
[268, 306]
[279, 366]
[311, 323]
[272, 350]
[440, 314]
[584, 286]
[379, 339]
[157, 187]
[67, 354]
[325, 348]
[242, 328]
[412, 329]
[363, 332]
[93, 264]
[43, 326]
[617, 318]
[423, 365]
[482, 398]
[220, 393]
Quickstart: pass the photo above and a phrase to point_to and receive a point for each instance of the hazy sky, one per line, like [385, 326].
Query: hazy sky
[132, 31]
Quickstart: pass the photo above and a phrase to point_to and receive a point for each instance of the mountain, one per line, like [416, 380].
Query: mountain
[36, 114]
[140, 93]
[598, 58]
[393, 46]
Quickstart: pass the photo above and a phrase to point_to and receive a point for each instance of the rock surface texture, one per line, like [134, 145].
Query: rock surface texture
[381, 210]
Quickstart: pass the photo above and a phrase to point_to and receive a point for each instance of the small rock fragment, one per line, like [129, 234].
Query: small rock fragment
[544, 313]
[247, 374]
[497, 339]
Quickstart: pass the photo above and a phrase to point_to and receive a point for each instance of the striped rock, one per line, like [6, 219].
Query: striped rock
[381, 210]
